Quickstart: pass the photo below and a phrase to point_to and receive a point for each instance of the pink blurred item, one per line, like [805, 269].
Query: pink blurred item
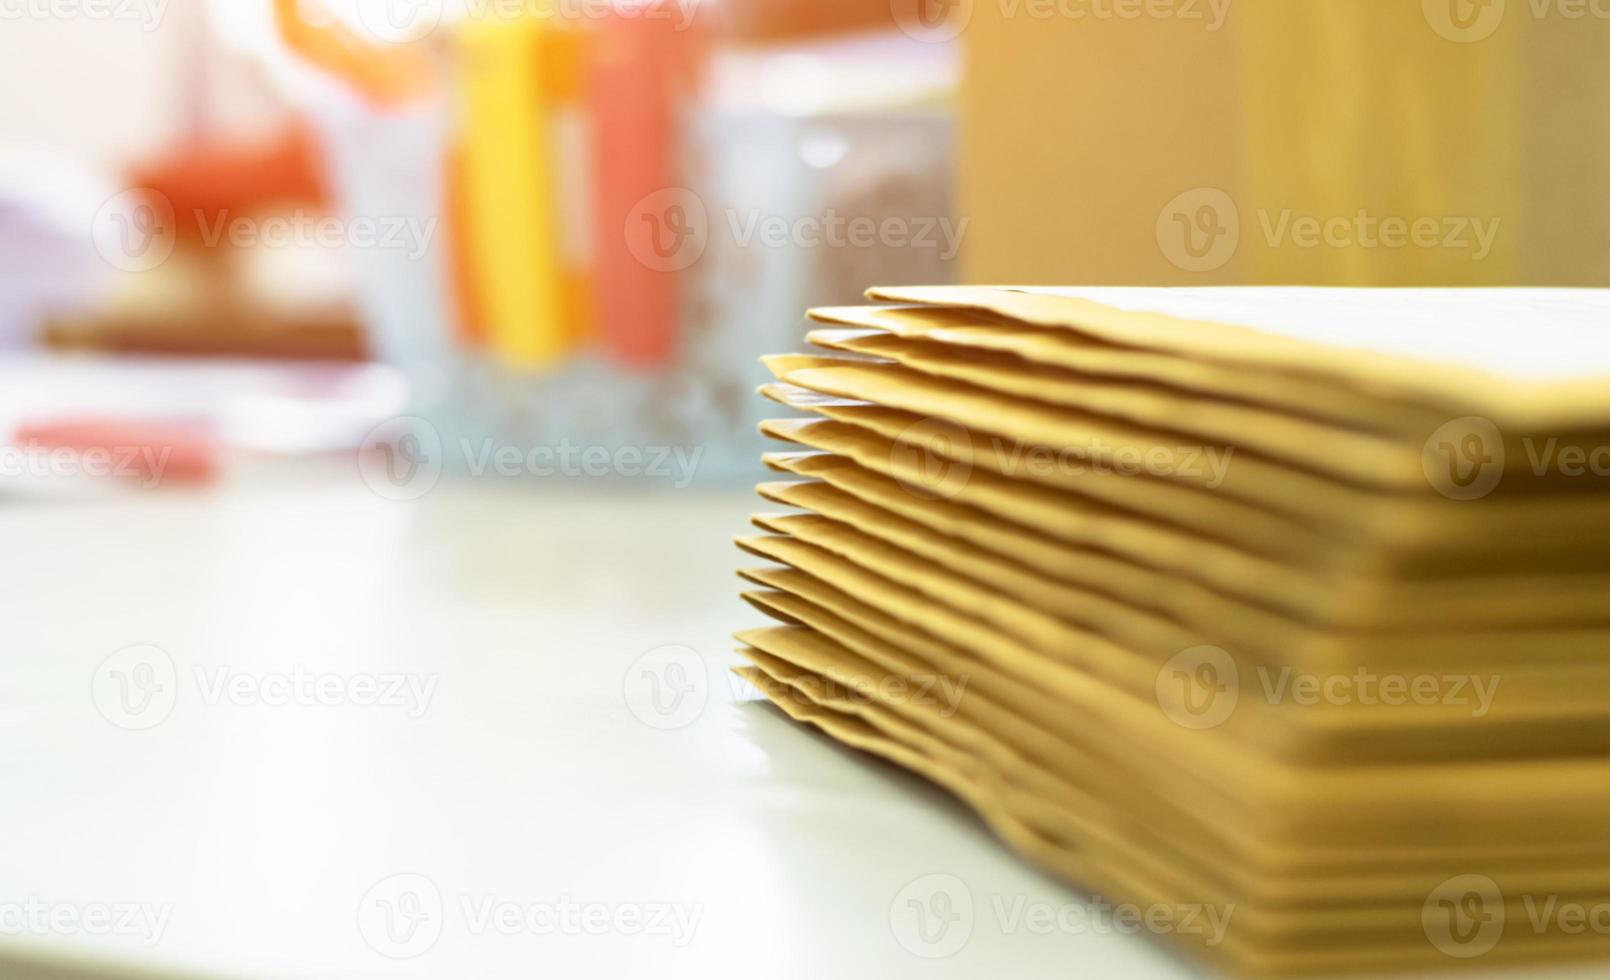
[641, 76]
[150, 452]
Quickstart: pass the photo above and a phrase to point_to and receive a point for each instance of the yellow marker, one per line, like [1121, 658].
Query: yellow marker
[517, 270]
[563, 94]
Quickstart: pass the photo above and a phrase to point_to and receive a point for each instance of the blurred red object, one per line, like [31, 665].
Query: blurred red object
[640, 79]
[150, 452]
[207, 181]
[780, 20]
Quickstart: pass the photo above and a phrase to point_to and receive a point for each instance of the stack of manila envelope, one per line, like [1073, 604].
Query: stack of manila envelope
[1291, 605]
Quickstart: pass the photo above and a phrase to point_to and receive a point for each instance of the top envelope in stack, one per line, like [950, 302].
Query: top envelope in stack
[1289, 603]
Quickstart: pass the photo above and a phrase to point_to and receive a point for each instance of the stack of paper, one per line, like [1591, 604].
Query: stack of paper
[1291, 605]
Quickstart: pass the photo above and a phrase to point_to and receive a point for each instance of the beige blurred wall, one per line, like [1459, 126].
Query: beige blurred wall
[109, 82]
[1299, 142]
[97, 89]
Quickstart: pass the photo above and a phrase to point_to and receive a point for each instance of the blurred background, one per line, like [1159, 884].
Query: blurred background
[250, 229]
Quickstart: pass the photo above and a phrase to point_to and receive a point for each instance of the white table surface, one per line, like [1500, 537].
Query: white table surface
[264, 830]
